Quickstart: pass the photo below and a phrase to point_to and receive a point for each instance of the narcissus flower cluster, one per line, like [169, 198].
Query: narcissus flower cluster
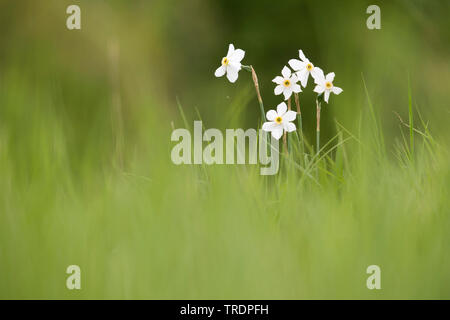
[303, 68]
[287, 84]
[290, 81]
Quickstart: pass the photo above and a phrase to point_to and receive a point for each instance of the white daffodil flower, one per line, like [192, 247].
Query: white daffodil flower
[286, 84]
[325, 84]
[231, 64]
[303, 68]
[279, 121]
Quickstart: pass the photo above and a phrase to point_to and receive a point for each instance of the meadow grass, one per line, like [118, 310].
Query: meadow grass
[141, 227]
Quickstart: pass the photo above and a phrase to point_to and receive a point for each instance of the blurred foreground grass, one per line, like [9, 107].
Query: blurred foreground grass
[150, 229]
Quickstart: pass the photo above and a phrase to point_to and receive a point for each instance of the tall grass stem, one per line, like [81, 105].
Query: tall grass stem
[300, 124]
[318, 106]
[411, 120]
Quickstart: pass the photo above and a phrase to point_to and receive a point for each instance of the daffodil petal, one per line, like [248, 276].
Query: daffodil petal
[277, 132]
[303, 75]
[289, 116]
[235, 66]
[286, 72]
[326, 95]
[232, 75]
[220, 71]
[336, 90]
[271, 115]
[302, 56]
[281, 109]
[269, 126]
[287, 93]
[296, 88]
[318, 75]
[289, 126]
[319, 89]
[277, 80]
[330, 77]
[237, 55]
[278, 89]
[294, 78]
[230, 50]
[296, 64]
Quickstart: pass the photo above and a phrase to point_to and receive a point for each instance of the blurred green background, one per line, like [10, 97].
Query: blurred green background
[86, 176]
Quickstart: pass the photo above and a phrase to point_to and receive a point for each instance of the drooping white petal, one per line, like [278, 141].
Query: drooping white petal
[286, 72]
[289, 126]
[289, 116]
[237, 55]
[287, 93]
[278, 80]
[296, 88]
[302, 56]
[232, 75]
[220, 71]
[281, 109]
[326, 95]
[278, 89]
[297, 64]
[303, 75]
[336, 90]
[271, 115]
[236, 66]
[230, 50]
[269, 126]
[277, 132]
[318, 75]
[330, 77]
[319, 89]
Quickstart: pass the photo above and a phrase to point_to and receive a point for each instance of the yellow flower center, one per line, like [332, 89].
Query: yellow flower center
[287, 83]
[309, 67]
[328, 85]
[225, 61]
[278, 120]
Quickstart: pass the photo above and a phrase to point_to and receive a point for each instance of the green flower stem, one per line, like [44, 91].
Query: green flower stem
[285, 146]
[289, 136]
[318, 141]
[318, 104]
[300, 129]
[300, 124]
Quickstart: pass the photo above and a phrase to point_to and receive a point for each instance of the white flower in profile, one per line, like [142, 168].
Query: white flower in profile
[279, 121]
[325, 84]
[231, 64]
[303, 68]
[286, 84]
